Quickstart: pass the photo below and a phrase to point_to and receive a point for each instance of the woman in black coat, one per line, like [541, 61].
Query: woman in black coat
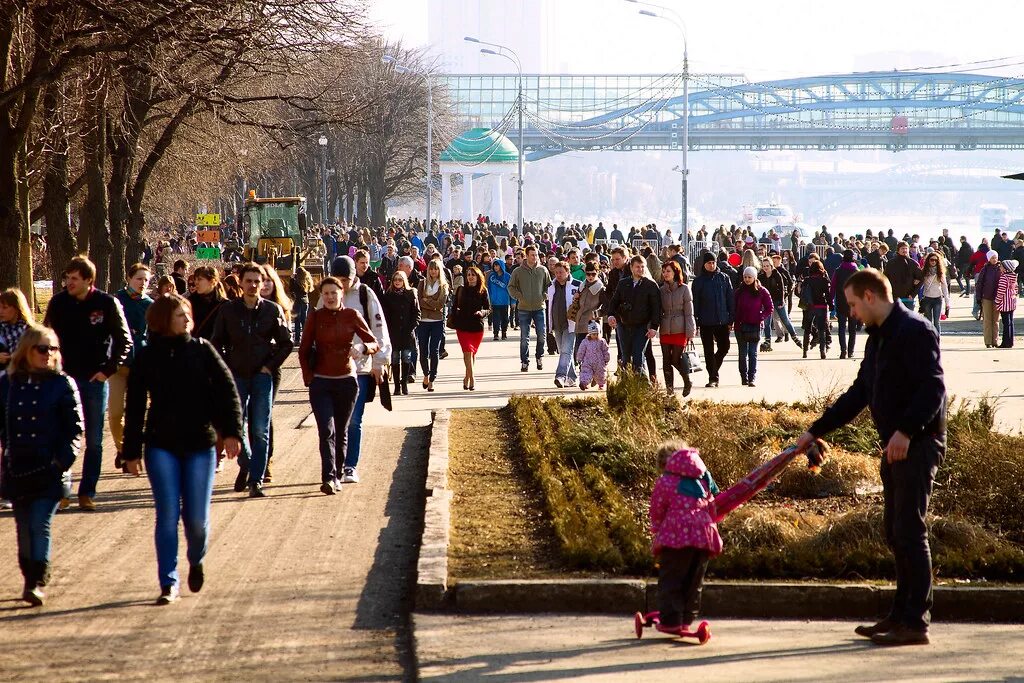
[402, 313]
[41, 429]
[470, 306]
[180, 397]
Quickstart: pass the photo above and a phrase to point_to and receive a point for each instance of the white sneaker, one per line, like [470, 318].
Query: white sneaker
[350, 476]
[6, 505]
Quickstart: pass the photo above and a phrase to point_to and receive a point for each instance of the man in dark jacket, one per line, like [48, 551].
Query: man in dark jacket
[730, 272]
[775, 282]
[963, 264]
[636, 309]
[713, 308]
[878, 256]
[253, 337]
[179, 276]
[619, 270]
[901, 381]
[904, 275]
[367, 275]
[94, 340]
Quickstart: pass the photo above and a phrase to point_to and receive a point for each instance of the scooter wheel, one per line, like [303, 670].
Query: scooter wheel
[638, 624]
[703, 632]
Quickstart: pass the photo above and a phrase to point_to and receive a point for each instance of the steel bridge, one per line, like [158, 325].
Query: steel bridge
[893, 110]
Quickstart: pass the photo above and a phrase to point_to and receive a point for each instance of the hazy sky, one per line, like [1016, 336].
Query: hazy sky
[765, 38]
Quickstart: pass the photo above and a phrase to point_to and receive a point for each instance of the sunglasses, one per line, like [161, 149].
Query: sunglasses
[46, 348]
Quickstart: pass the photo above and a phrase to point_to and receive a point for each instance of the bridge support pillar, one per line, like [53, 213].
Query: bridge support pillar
[446, 197]
[497, 210]
[467, 197]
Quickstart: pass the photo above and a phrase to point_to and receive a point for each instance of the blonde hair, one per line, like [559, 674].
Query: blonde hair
[278, 297]
[400, 275]
[667, 449]
[750, 258]
[303, 279]
[15, 298]
[33, 335]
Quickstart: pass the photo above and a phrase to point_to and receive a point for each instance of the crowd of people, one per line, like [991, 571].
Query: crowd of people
[185, 367]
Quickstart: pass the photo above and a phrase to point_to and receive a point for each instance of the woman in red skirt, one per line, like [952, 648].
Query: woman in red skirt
[469, 308]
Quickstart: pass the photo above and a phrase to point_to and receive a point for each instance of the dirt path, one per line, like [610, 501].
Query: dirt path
[299, 586]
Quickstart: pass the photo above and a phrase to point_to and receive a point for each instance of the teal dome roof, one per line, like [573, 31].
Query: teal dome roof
[479, 145]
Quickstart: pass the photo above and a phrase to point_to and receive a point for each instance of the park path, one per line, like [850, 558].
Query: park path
[300, 586]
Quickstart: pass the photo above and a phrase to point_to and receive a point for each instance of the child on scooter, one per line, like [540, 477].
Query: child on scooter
[684, 535]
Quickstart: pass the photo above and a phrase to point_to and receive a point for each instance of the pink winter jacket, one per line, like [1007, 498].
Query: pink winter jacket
[679, 520]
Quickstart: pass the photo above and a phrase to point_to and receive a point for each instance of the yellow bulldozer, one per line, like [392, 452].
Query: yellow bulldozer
[276, 233]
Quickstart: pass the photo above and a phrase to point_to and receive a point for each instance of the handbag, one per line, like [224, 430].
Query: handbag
[449, 322]
[574, 308]
[691, 359]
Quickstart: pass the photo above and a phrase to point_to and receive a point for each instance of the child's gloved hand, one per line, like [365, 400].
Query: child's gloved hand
[816, 455]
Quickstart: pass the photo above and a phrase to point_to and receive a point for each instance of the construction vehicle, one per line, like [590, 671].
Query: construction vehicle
[274, 228]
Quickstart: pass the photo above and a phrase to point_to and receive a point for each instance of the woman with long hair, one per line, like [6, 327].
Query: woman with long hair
[470, 306]
[934, 290]
[206, 300]
[432, 293]
[750, 260]
[300, 285]
[753, 306]
[181, 397]
[41, 429]
[678, 325]
[815, 301]
[15, 318]
[272, 289]
[402, 313]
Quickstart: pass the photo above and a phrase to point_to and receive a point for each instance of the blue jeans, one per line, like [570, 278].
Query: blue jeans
[748, 358]
[32, 518]
[301, 310]
[500, 320]
[94, 406]
[847, 333]
[332, 401]
[787, 324]
[182, 488]
[355, 424]
[429, 333]
[256, 394]
[525, 318]
[931, 308]
[634, 346]
[566, 369]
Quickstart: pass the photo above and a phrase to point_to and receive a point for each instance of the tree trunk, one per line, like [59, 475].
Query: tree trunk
[10, 212]
[360, 218]
[60, 240]
[94, 217]
[25, 279]
[120, 256]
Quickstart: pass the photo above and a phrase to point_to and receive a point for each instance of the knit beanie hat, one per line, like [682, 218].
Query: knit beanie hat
[343, 267]
[750, 271]
[593, 328]
[991, 255]
[708, 257]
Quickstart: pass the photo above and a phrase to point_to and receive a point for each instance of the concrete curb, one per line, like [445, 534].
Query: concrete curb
[432, 565]
[736, 599]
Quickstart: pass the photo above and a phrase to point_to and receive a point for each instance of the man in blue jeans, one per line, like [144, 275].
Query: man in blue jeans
[253, 337]
[95, 340]
[529, 285]
[635, 311]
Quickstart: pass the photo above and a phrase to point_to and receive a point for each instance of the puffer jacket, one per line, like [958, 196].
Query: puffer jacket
[713, 300]
[41, 428]
[180, 397]
[837, 289]
[677, 310]
[680, 519]
[402, 312]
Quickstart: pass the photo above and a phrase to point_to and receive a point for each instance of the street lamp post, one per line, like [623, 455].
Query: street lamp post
[402, 69]
[514, 58]
[323, 179]
[685, 171]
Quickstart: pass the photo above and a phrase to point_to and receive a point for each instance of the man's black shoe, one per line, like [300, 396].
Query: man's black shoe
[884, 626]
[256, 491]
[901, 635]
[195, 577]
[242, 479]
[525, 368]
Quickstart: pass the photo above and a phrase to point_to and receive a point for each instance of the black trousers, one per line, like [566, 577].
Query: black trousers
[672, 359]
[680, 582]
[710, 335]
[907, 487]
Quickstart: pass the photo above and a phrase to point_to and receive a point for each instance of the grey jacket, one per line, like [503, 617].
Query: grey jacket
[677, 310]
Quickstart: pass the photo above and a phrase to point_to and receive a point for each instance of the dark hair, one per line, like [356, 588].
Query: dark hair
[250, 267]
[180, 263]
[479, 279]
[637, 259]
[869, 279]
[85, 268]
[361, 253]
[816, 267]
[160, 314]
[329, 280]
[529, 248]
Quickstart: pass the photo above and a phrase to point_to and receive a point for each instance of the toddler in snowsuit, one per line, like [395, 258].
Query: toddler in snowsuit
[684, 535]
[593, 357]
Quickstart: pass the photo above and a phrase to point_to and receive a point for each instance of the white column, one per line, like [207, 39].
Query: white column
[446, 196]
[467, 198]
[497, 211]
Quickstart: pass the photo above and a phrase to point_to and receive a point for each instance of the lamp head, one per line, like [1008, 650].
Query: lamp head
[470, 39]
[649, 13]
[488, 51]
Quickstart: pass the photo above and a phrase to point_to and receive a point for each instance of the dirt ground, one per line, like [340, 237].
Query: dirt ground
[300, 586]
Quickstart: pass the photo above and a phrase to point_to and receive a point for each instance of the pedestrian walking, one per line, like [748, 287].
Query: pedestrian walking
[300, 286]
[678, 325]
[135, 302]
[92, 324]
[528, 286]
[562, 293]
[775, 280]
[848, 326]
[469, 308]
[497, 293]
[325, 357]
[402, 312]
[904, 275]
[15, 318]
[593, 355]
[753, 308]
[588, 305]
[433, 296]
[41, 427]
[636, 307]
[934, 290]
[206, 301]
[814, 300]
[1006, 300]
[181, 399]
[272, 289]
[986, 286]
[713, 310]
[684, 536]
[901, 381]
[253, 337]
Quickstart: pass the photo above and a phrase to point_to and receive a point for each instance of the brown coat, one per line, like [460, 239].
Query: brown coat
[677, 311]
[332, 333]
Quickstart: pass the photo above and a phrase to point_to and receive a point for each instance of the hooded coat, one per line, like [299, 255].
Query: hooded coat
[497, 286]
[679, 519]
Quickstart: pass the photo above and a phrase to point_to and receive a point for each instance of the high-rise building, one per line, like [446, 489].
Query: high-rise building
[526, 26]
